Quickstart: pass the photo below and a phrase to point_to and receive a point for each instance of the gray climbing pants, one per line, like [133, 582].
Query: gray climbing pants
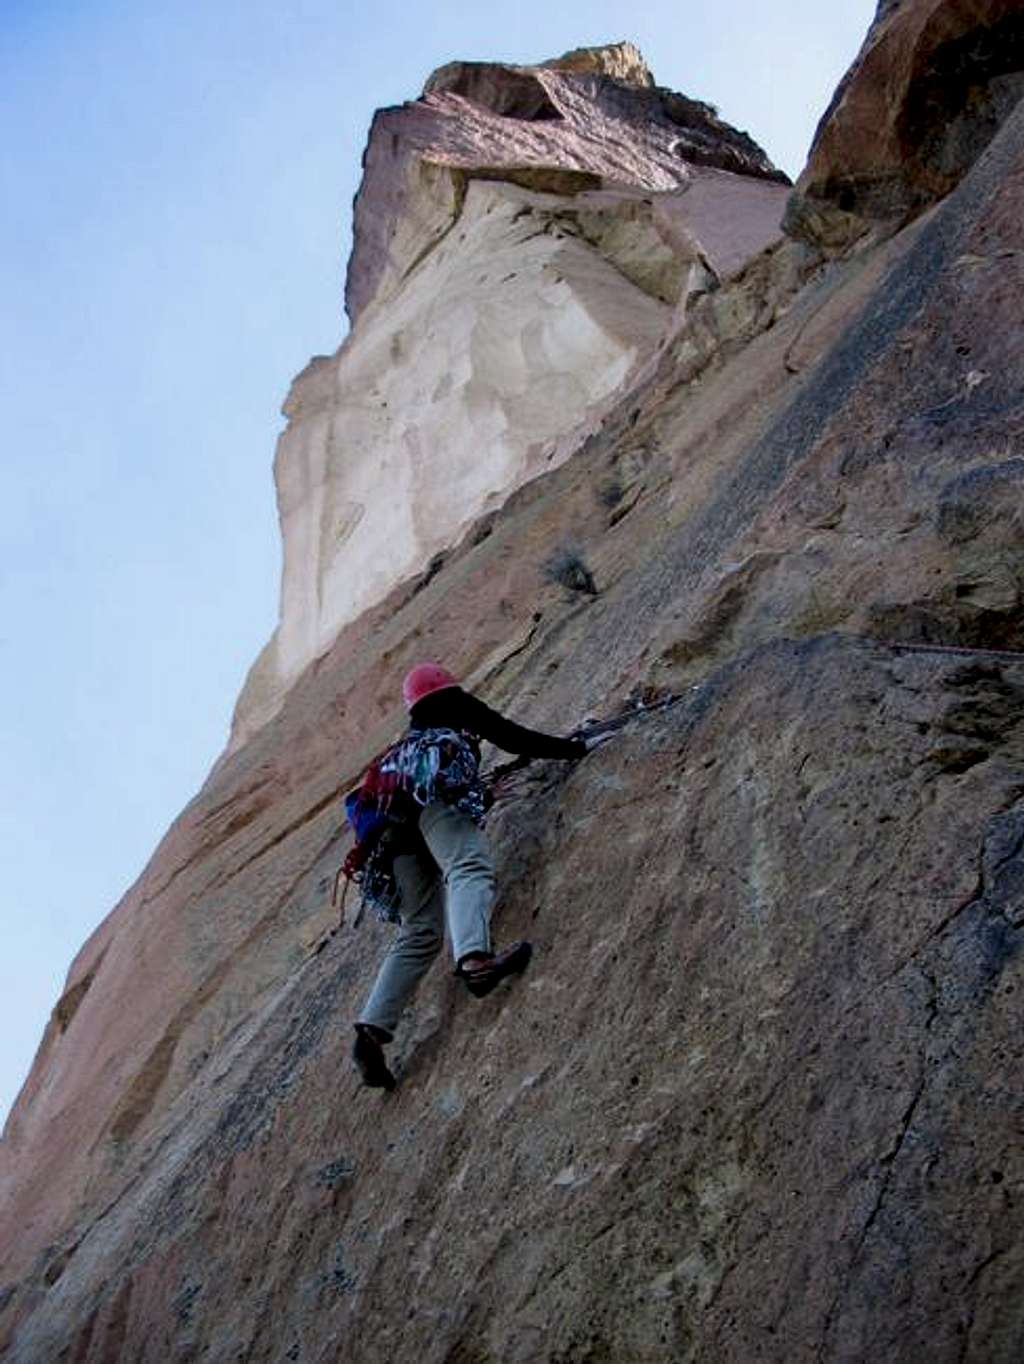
[450, 876]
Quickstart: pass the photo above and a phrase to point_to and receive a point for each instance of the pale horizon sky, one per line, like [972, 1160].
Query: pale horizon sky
[177, 180]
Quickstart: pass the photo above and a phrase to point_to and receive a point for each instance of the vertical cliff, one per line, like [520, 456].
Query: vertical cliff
[522, 237]
[759, 1095]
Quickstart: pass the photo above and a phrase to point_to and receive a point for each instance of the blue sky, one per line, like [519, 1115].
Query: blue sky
[176, 179]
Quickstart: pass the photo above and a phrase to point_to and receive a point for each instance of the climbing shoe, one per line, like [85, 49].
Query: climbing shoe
[482, 974]
[368, 1055]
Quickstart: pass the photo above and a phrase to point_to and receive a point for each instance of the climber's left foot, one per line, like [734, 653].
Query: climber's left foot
[368, 1055]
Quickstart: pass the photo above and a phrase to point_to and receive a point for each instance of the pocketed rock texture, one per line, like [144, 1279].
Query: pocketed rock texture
[759, 1096]
[934, 81]
[522, 238]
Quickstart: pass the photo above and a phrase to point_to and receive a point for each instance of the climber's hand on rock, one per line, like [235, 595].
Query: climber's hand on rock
[592, 738]
[593, 741]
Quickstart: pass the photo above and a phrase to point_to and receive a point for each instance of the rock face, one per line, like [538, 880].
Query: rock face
[591, 119]
[933, 82]
[522, 236]
[759, 1095]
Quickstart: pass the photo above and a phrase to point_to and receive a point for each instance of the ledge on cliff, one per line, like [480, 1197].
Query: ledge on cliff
[596, 111]
[515, 92]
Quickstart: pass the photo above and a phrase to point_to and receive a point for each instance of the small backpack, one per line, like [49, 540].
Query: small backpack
[426, 765]
[437, 764]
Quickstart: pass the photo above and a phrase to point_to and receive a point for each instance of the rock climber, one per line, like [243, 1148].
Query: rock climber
[444, 869]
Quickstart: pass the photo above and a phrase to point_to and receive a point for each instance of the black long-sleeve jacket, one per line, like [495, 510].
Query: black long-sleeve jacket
[453, 708]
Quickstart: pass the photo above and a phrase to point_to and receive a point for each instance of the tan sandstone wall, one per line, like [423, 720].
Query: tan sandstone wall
[759, 1095]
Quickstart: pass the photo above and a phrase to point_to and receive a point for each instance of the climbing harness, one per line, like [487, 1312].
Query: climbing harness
[424, 766]
[373, 873]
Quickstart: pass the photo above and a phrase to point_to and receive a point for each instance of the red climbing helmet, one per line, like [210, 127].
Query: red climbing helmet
[424, 679]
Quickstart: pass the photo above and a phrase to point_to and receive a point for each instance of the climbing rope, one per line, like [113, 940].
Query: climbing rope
[509, 774]
[965, 650]
[512, 780]
[508, 780]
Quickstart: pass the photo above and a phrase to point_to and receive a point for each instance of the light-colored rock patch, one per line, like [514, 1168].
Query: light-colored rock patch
[439, 406]
[526, 320]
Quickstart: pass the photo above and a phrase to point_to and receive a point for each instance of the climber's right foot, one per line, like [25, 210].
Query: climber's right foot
[482, 974]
